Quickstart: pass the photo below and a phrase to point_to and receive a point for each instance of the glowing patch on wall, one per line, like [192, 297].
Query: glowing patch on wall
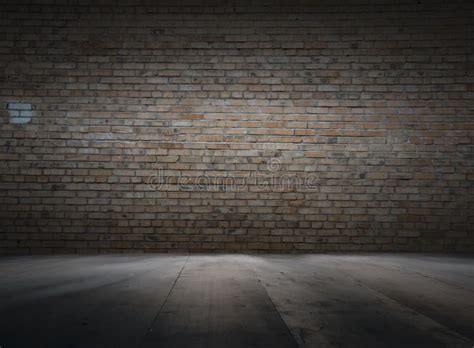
[19, 112]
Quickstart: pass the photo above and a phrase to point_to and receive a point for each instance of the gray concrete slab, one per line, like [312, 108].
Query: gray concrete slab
[325, 304]
[420, 287]
[219, 302]
[379, 300]
[104, 301]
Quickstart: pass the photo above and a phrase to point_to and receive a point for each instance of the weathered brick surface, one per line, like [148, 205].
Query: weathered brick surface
[237, 126]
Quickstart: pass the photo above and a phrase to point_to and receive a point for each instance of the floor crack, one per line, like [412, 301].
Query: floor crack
[149, 329]
[298, 342]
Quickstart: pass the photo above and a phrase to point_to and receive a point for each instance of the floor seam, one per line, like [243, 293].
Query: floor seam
[296, 342]
[411, 270]
[402, 304]
[150, 327]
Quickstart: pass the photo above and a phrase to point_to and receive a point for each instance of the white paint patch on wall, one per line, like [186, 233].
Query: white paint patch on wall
[19, 112]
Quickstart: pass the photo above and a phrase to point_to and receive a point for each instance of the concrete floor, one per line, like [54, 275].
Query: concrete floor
[381, 300]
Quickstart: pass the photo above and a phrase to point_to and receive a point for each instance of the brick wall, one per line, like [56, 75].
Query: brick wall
[236, 126]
